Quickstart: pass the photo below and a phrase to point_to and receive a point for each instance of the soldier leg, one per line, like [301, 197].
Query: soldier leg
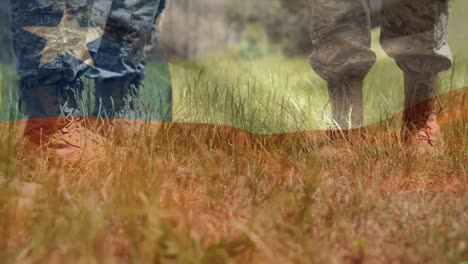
[415, 33]
[121, 61]
[50, 89]
[41, 61]
[341, 55]
[120, 69]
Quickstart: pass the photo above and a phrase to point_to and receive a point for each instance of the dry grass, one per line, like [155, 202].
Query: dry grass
[208, 194]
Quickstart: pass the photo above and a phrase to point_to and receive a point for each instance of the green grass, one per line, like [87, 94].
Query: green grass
[277, 94]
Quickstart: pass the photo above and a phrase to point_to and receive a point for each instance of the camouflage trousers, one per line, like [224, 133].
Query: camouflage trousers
[413, 32]
[117, 33]
[56, 42]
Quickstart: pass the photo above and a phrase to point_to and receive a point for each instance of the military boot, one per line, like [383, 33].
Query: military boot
[119, 110]
[55, 128]
[420, 126]
[346, 100]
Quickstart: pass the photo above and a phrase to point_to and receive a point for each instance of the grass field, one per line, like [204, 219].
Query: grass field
[198, 194]
[211, 194]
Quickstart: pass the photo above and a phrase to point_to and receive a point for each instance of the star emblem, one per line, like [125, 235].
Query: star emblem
[68, 37]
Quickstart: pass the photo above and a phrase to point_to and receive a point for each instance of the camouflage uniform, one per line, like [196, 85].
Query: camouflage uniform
[414, 33]
[127, 28]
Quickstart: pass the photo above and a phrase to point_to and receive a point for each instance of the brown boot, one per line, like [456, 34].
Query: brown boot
[420, 127]
[346, 99]
[64, 140]
[55, 129]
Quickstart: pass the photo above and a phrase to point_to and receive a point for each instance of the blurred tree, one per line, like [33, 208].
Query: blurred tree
[253, 44]
[284, 22]
[190, 28]
[294, 25]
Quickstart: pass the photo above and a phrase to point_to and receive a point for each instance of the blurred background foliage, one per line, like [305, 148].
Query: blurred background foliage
[192, 28]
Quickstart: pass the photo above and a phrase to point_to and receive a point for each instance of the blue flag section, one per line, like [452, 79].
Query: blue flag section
[83, 58]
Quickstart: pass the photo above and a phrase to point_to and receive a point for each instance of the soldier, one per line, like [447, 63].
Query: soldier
[57, 42]
[414, 33]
